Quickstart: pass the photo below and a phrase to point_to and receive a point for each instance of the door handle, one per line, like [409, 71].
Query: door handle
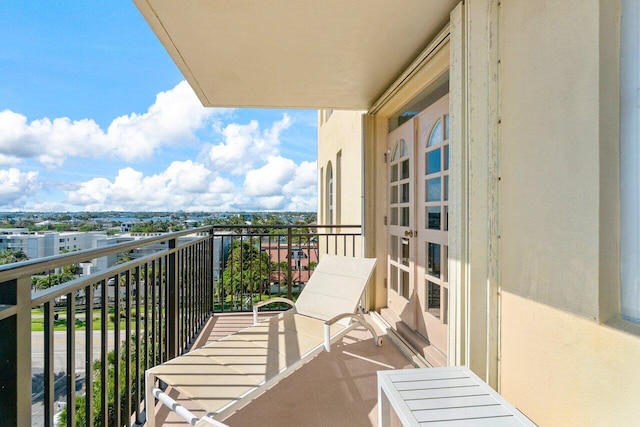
[408, 233]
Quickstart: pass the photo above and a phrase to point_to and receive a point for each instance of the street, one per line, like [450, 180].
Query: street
[60, 365]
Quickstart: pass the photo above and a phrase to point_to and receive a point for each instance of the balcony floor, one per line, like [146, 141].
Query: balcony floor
[334, 389]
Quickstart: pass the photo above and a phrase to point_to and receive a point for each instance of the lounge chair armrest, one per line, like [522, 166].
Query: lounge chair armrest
[209, 422]
[358, 318]
[266, 302]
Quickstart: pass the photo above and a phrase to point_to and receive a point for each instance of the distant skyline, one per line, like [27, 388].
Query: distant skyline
[95, 116]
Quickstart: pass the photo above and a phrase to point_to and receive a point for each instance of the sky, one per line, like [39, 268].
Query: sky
[95, 116]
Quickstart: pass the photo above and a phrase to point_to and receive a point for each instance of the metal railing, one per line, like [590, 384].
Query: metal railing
[256, 263]
[88, 341]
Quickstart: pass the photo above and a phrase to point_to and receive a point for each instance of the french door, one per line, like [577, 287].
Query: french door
[418, 222]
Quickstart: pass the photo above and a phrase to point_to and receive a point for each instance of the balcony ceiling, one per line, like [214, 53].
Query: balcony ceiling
[294, 54]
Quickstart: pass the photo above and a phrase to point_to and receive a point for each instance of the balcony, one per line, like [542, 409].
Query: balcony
[183, 288]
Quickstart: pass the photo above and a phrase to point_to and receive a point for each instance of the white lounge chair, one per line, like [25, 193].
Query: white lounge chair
[226, 375]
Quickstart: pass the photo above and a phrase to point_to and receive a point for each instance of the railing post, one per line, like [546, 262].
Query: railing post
[172, 300]
[212, 269]
[289, 248]
[15, 353]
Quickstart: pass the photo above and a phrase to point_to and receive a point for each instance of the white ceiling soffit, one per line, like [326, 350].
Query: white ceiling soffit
[339, 54]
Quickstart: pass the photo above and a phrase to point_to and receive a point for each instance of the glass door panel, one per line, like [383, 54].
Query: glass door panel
[432, 152]
[400, 263]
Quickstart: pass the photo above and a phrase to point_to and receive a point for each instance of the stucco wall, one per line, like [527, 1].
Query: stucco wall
[343, 131]
[565, 370]
[550, 145]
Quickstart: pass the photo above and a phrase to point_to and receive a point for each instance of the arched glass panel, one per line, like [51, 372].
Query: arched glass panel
[436, 134]
[404, 151]
[394, 156]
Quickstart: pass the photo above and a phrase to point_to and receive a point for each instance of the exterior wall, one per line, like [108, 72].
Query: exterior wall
[565, 359]
[341, 132]
[550, 154]
[565, 370]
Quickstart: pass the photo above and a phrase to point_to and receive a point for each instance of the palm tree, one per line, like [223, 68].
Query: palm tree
[7, 256]
[247, 269]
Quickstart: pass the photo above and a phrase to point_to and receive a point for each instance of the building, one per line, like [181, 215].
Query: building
[492, 154]
[301, 259]
[48, 243]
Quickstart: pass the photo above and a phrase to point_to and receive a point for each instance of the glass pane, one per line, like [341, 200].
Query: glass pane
[445, 263]
[395, 153]
[433, 218]
[446, 187]
[394, 248]
[405, 284]
[405, 252]
[433, 299]
[394, 278]
[447, 126]
[394, 173]
[436, 134]
[405, 169]
[403, 148]
[405, 193]
[394, 194]
[445, 220]
[394, 216]
[446, 157]
[404, 220]
[433, 190]
[433, 259]
[433, 161]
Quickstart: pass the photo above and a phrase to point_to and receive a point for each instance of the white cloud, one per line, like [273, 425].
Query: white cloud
[304, 181]
[16, 187]
[244, 145]
[172, 119]
[282, 185]
[270, 178]
[183, 185]
[188, 185]
[243, 170]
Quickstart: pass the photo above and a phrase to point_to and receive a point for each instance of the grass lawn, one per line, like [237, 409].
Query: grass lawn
[234, 303]
[37, 323]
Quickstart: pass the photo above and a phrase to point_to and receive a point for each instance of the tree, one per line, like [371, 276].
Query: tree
[247, 269]
[45, 282]
[127, 391]
[7, 256]
[123, 257]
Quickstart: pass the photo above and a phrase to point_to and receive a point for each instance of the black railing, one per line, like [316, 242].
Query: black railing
[88, 341]
[256, 263]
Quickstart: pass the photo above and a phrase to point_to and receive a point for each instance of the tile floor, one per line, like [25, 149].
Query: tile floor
[333, 389]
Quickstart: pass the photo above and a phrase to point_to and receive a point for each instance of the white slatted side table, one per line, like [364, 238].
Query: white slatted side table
[452, 397]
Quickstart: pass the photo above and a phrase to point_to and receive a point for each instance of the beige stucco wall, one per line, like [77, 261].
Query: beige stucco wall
[559, 193]
[565, 370]
[559, 217]
[549, 163]
[342, 132]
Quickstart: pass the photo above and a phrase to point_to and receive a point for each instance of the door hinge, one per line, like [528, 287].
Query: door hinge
[385, 220]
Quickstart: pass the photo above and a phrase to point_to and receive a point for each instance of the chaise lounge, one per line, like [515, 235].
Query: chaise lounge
[226, 375]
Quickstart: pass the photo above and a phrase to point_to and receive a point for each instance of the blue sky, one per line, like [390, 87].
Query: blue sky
[94, 115]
